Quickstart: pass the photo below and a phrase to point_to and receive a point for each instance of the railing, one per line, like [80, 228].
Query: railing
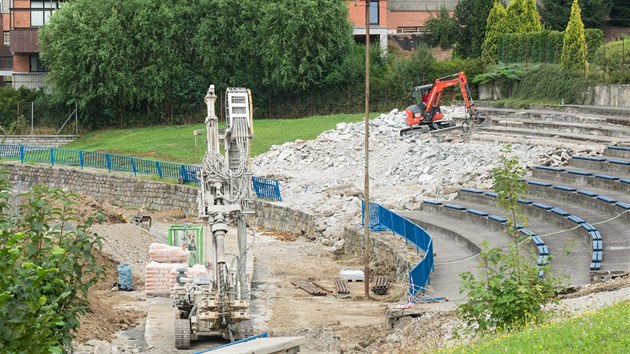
[266, 188]
[269, 189]
[420, 275]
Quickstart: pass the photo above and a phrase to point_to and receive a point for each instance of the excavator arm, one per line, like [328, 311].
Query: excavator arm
[427, 111]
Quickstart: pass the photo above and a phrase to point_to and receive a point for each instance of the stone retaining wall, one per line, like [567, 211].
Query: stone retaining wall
[387, 251]
[116, 189]
[38, 140]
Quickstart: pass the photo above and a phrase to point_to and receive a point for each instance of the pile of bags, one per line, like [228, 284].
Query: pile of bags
[162, 253]
[161, 274]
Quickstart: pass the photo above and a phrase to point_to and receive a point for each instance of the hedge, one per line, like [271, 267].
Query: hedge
[541, 47]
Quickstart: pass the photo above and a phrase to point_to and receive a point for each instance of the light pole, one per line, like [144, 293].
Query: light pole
[366, 191]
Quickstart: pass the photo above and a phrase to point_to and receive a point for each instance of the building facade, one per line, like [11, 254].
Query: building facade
[19, 56]
[390, 17]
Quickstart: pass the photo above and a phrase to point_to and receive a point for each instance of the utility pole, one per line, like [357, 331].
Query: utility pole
[366, 192]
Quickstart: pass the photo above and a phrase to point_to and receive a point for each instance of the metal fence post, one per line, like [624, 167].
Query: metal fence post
[22, 154]
[133, 167]
[52, 157]
[184, 174]
[109, 162]
[159, 168]
[81, 158]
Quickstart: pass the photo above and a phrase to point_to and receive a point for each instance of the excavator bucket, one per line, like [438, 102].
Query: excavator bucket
[481, 119]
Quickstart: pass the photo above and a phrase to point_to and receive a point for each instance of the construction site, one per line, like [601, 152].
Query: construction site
[221, 266]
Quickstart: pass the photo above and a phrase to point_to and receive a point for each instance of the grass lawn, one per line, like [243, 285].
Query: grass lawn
[605, 331]
[177, 143]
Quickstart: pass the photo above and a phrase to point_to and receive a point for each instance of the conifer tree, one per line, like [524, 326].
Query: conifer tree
[523, 16]
[495, 26]
[574, 45]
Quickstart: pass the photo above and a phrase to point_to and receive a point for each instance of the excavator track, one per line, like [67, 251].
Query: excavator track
[182, 334]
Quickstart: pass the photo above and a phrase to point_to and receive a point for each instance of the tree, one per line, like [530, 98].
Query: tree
[523, 16]
[496, 25]
[155, 56]
[556, 13]
[300, 41]
[471, 16]
[47, 268]
[442, 29]
[574, 44]
[508, 292]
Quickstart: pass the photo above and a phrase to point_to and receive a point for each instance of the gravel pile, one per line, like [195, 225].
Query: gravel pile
[325, 177]
[126, 243]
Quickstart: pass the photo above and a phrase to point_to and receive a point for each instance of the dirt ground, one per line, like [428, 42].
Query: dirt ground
[329, 324]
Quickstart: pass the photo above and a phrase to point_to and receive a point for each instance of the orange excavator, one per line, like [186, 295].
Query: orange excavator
[426, 114]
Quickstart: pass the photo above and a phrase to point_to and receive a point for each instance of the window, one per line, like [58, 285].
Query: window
[7, 38]
[35, 64]
[374, 12]
[41, 10]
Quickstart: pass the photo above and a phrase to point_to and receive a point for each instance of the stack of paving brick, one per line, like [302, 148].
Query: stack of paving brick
[160, 274]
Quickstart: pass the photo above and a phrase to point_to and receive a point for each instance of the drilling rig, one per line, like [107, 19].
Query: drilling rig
[219, 304]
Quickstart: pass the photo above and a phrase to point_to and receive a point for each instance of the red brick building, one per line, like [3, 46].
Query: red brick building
[390, 17]
[19, 55]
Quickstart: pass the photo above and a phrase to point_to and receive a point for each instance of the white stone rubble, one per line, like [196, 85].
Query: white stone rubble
[325, 177]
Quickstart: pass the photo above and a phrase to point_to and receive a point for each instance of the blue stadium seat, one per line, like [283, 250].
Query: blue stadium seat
[606, 199]
[596, 266]
[538, 241]
[491, 194]
[524, 201]
[623, 205]
[614, 147]
[548, 168]
[596, 256]
[477, 212]
[575, 219]
[598, 245]
[471, 190]
[454, 206]
[581, 173]
[620, 162]
[588, 227]
[537, 183]
[543, 250]
[587, 193]
[432, 202]
[595, 235]
[565, 188]
[608, 177]
[560, 212]
[542, 206]
[496, 218]
[590, 158]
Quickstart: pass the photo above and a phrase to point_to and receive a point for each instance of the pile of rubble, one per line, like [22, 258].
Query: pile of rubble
[325, 177]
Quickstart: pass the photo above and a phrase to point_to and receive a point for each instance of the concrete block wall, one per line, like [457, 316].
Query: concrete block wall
[387, 250]
[116, 189]
[38, 140]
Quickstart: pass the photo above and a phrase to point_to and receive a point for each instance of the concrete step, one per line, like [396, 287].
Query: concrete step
[617, 152]
[555, 134]
[453, 254]
[609, 203]
[615, 234]
[583, 114]
[575, 263]
[583, 177]
[612, 165]
[597, 129]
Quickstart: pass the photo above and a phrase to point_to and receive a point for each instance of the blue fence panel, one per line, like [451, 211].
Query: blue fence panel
[94, 159]
[36, 154]
[266, 188]
[192, 172]
[146, 167]
[67, 157]
[10, 151]
[419, 276]
[121, 163]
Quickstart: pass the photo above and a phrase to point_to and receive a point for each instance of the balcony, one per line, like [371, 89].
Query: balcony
[24, 40]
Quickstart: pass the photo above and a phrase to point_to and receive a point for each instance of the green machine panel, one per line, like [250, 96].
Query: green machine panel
[191, 238]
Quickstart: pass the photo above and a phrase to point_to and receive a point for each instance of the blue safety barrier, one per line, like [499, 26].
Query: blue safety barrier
[114, 162]
[267, 188]
[419, 276]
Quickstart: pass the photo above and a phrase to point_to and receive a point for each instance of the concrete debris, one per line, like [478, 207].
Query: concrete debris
[325, 177]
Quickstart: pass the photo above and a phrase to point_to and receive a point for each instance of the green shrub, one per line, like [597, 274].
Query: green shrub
[442, 29]
[549, 83]
[508, 292]
[541, 47]
[613, 54]
[47, 268]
